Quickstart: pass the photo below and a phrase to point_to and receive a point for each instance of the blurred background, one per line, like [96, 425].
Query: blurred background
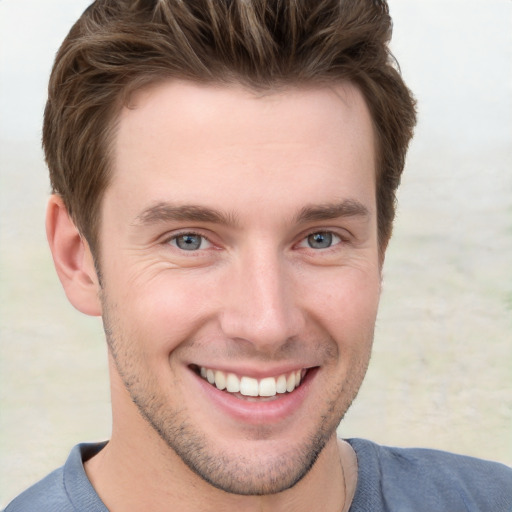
[441, 373]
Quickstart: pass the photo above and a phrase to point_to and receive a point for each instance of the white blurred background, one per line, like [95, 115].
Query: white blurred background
[441, 374]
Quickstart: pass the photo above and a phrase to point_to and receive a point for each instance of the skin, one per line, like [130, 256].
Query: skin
[251, 177]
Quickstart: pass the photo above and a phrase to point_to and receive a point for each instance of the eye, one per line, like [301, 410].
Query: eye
[190, 242]
[321, 240]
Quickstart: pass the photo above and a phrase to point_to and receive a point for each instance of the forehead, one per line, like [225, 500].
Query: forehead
[203, 141]
[201, 109]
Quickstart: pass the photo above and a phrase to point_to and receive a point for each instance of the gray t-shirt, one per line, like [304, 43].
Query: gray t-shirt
[389, 480]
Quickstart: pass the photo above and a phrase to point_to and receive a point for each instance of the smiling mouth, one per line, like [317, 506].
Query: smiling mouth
[249, 387]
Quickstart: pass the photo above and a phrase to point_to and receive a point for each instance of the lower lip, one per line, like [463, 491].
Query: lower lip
[258, 412]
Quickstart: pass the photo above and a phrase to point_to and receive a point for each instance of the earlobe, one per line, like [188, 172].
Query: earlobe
[72, 258]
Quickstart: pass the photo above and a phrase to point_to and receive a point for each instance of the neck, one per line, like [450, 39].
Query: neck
[157, 480]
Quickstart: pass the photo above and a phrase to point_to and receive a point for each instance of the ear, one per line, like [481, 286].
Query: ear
[72, 258]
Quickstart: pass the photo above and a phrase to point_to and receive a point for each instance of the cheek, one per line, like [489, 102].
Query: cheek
[347, 304]
[163, 311]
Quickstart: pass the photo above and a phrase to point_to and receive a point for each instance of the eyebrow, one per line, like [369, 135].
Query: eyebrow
[346, 208]
[167, 212]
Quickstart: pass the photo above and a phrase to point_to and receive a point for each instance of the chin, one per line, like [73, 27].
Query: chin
[254, 466]
[260, 469]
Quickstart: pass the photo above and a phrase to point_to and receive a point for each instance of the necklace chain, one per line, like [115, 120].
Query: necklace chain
[344, 479]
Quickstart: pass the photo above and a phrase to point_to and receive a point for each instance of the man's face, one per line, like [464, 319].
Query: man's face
[239, 249]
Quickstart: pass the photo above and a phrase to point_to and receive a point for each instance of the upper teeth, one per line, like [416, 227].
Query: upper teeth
[249, 386]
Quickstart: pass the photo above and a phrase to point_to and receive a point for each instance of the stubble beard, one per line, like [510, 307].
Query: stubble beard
[236, 474]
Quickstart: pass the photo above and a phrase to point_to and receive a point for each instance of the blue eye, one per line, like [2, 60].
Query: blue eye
[322, 240]
[189, 242]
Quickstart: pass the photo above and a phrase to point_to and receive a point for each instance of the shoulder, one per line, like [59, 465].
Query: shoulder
[66, 489]
[47, 494]
[422, 479]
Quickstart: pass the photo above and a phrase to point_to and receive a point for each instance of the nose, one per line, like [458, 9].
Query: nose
[261, 303]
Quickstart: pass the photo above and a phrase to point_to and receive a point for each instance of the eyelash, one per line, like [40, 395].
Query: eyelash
[304, 240]
[174, 237]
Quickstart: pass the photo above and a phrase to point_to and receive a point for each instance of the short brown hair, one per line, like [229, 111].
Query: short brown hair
[118, 46]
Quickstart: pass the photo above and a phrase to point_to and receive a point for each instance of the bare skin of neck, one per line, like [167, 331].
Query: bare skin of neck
[135, 482]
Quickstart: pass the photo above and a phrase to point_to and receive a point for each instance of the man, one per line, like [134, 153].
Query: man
[224, 176]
